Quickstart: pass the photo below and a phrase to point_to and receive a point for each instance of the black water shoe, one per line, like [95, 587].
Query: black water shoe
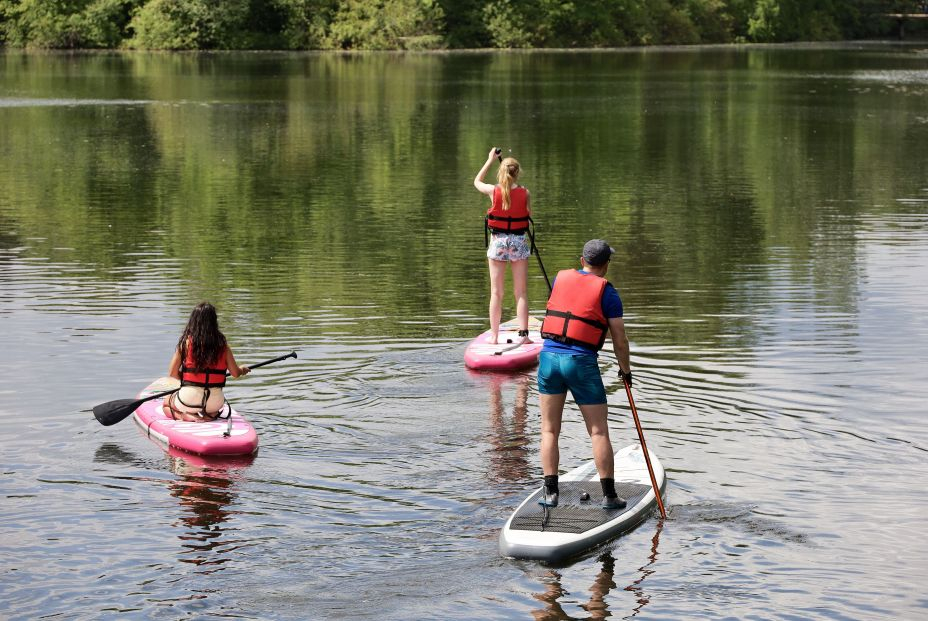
[548, 499]
[611, 503]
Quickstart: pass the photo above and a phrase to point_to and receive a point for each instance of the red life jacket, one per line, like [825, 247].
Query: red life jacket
[515, 219]
[575, 311]
[210, 376]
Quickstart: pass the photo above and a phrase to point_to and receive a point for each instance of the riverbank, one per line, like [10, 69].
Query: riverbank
[439, 24]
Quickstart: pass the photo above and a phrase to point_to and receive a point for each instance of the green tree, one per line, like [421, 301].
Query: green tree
[64, 23]
[304, 23]
[188, 24]
[387, 24]
[464, 24]
[508, 24]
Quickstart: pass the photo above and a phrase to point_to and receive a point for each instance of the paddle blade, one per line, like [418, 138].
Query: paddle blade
[112, 412]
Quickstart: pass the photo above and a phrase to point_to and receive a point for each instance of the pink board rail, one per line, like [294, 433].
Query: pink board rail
[206, 439]
[483, 356]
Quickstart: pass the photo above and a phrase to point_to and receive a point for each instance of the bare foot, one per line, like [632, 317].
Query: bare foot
[492, 339]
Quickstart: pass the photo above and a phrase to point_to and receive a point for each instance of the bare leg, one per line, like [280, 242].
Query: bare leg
[597, 425]
[552, 408]
[519, 287]
[497, 284]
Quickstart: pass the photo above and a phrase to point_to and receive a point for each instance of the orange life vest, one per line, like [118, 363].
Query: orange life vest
[513, 220]
[212, 375]
[575, 310]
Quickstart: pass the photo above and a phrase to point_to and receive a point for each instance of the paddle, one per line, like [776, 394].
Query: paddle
[112, 412]
[531, 236]
[644, 448]
[499, 155]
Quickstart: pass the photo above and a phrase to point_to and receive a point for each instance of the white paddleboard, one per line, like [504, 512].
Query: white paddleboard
[576, 525]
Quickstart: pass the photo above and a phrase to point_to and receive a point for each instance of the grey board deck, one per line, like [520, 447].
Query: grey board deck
[573, 515]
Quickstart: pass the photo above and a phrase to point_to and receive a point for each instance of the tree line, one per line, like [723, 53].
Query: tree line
[442, 24]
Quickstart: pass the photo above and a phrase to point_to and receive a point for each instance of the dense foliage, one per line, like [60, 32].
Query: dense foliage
[436, 24]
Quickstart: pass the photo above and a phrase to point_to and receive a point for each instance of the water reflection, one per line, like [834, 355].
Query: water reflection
[597, 605]
[205, 490]
[509, 442]
[641, 596]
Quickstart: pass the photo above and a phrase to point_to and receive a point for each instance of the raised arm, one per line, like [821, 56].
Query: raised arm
[485, 188]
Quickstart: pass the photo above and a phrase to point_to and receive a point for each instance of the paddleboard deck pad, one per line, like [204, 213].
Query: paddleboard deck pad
[576, 525]
[506, 354]
[200, 438]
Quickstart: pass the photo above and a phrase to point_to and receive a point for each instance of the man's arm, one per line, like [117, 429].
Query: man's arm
[620, 343]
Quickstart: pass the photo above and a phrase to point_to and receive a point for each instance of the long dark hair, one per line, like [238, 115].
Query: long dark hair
[207, 343]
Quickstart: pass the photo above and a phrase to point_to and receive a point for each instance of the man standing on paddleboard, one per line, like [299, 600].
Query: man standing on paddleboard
[583, 308]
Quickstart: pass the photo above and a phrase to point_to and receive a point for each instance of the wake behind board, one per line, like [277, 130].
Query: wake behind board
[206, 438]
[575, 525]
[505, 355]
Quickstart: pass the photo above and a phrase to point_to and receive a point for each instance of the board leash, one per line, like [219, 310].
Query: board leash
[511, 347]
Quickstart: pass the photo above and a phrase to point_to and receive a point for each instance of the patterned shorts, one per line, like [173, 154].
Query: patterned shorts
[506, 247]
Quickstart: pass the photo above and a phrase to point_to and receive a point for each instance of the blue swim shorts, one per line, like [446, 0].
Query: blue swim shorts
[558, 373]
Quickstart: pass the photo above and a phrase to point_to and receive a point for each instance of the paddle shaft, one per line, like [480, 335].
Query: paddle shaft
[272, 360]
[531, 236]
[644, 448]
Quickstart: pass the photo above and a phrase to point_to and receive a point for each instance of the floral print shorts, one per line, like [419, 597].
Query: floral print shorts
[506, 247]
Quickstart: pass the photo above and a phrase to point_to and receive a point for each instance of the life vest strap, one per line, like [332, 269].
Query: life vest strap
[207, 372]
[568, 340]
[569, 316]
[508, 230]
[508, 218]
[202, 407]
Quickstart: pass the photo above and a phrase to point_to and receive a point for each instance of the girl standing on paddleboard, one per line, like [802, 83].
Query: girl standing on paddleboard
[507, 221]
[200, 362]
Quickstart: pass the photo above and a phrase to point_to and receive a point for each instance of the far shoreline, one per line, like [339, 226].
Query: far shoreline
[797, 45]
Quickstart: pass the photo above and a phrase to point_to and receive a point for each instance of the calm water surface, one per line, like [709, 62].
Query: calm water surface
[769, 207]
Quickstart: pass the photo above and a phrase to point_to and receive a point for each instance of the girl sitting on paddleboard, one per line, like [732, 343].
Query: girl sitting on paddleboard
[200, 362]
[507, 222]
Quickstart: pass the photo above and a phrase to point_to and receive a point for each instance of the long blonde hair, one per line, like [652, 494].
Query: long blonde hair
[507, 175]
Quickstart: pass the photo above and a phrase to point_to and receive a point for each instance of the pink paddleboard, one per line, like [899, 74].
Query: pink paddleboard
[484, 356]
[206, 439]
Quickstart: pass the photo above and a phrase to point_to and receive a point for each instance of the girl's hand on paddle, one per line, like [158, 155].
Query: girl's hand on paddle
[492, 155]
[625, 377]
[246, 370]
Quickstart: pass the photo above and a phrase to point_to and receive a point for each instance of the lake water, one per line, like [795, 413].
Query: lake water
[769, 208]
